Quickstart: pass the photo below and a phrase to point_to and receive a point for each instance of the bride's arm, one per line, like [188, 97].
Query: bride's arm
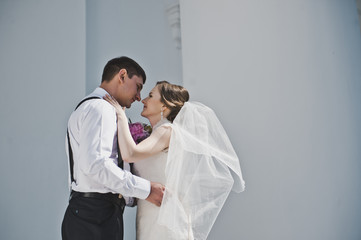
[155, 143]
[131, 152]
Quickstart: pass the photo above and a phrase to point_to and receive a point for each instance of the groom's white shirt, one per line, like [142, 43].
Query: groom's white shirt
[94, 125]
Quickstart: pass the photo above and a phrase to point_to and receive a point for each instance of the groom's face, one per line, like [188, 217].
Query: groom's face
[129, 90]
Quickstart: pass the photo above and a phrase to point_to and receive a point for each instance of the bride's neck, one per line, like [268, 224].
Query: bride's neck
[154, 121]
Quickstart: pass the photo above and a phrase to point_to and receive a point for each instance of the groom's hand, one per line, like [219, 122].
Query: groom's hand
[156, 193]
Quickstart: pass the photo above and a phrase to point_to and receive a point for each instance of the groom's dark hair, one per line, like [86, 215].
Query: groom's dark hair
[113, 67]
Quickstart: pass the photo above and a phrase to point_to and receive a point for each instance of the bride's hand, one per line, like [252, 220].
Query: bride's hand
[118, 109]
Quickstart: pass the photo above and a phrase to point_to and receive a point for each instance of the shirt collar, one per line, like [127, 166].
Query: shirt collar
[99, 92]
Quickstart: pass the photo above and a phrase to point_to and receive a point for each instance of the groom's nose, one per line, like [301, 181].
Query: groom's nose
[137, 97]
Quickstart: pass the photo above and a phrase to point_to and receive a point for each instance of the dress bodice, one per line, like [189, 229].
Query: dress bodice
[152, 169]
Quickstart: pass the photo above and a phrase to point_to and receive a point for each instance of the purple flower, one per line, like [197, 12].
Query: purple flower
[139, 131]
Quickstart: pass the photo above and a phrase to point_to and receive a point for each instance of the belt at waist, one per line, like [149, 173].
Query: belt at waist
[111, 197]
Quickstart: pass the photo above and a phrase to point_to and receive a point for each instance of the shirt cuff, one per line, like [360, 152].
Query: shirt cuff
[129, 201]
[143, 189]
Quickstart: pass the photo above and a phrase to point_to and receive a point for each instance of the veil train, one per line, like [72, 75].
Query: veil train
[202, 168]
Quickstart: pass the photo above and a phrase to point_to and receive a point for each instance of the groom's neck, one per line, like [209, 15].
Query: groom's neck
[108, 87]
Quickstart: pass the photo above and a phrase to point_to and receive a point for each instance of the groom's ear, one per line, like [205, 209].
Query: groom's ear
[122, 74]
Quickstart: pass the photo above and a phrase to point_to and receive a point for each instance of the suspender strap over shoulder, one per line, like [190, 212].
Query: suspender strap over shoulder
[71, 160]
[86, 99]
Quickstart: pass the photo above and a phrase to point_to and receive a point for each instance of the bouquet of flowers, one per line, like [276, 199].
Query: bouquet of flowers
[139, 131]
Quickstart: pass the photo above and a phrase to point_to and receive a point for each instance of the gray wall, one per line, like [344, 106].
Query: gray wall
[287, 93]
[52, 55]
[285, 79]
[42, 66]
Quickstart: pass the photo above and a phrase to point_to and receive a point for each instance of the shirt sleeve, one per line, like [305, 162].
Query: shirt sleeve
[97, 146]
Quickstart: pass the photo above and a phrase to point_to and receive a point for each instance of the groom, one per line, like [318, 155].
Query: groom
[101, 183]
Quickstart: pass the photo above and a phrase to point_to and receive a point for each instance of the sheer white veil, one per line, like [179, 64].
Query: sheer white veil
[202, 168]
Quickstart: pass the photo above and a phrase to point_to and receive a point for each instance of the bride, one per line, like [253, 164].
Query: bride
[190, 153]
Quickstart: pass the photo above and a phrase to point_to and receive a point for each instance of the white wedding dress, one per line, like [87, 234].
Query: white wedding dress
[199, 171]
[152, 169]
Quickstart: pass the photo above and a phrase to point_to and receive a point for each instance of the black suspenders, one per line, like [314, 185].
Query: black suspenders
[71, 160]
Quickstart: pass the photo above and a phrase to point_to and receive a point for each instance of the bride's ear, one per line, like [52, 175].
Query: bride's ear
[166, 110]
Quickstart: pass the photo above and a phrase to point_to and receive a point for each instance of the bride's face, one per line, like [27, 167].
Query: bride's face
[152, 104]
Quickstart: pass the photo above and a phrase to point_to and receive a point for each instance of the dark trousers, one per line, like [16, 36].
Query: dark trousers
[92, 219]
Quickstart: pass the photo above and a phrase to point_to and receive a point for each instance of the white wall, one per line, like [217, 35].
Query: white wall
[284, 78]
[42, 66]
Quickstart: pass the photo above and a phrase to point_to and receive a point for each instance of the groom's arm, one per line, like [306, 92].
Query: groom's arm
[155, 196]
[99, 162]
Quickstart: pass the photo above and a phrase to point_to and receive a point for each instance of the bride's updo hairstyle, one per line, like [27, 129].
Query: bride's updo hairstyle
[173, 97]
